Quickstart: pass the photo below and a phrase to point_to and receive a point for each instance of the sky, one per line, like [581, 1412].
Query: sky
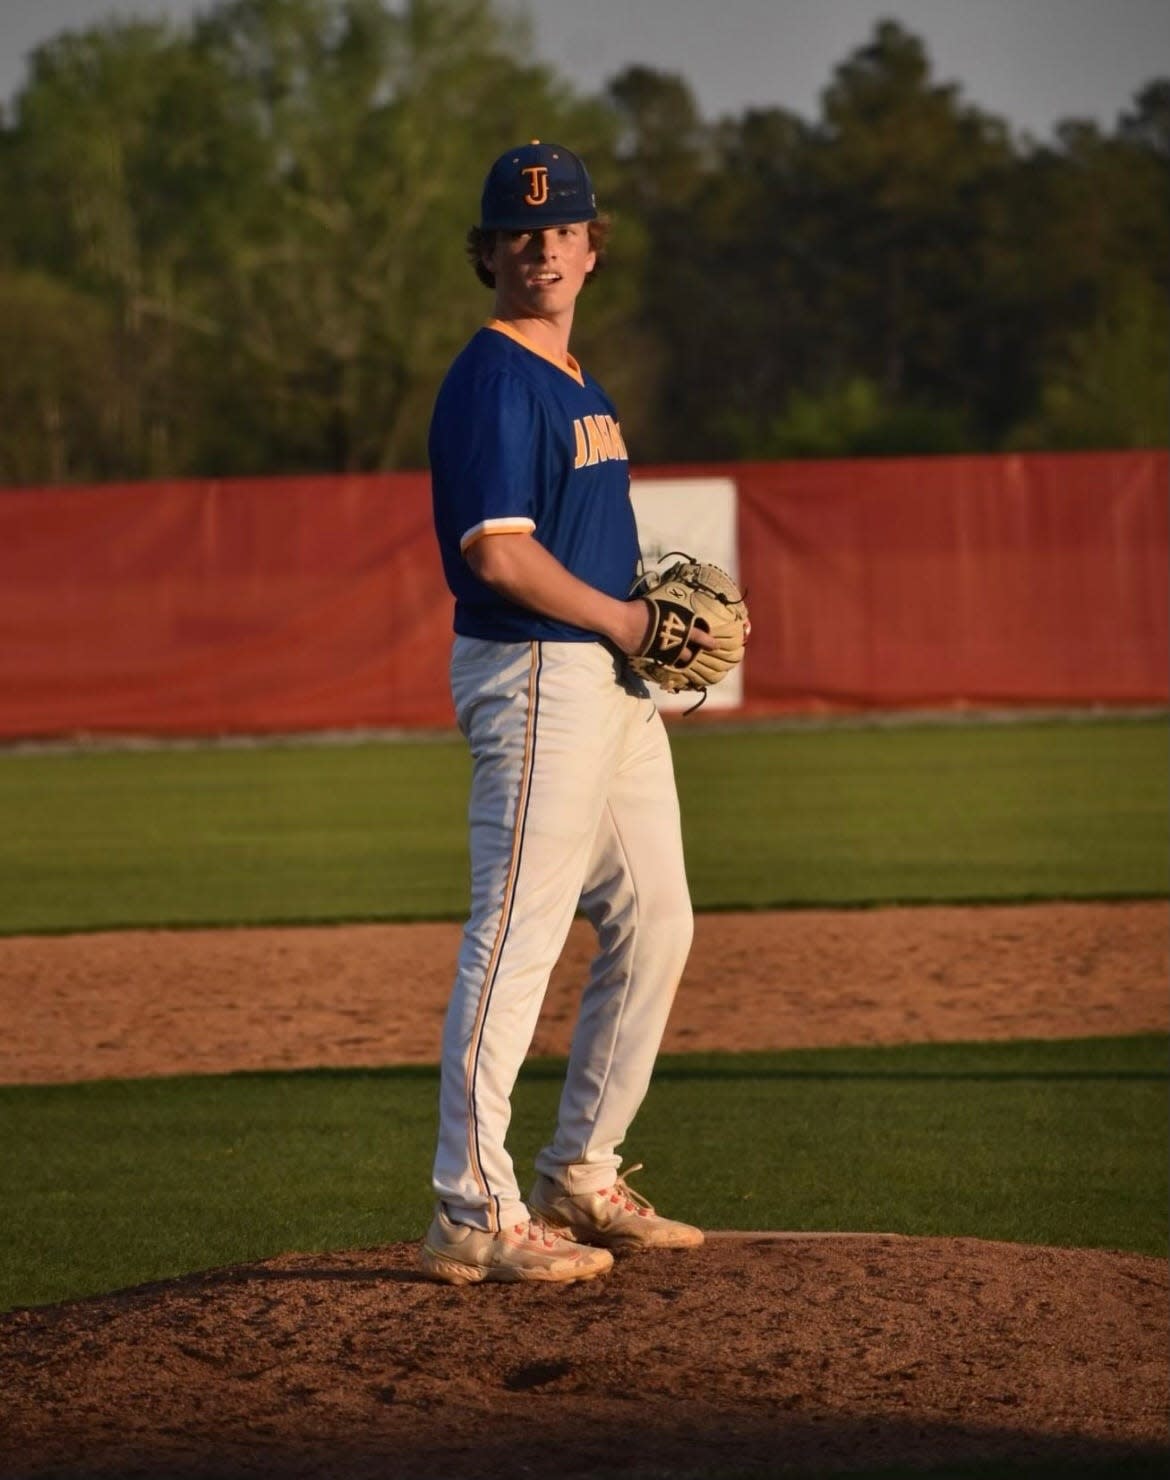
[1032, 63]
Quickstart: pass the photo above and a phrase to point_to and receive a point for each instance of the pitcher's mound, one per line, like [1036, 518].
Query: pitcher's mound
[755, 1355]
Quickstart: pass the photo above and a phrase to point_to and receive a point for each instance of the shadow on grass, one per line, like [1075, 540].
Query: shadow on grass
[683, 1070]
[910, 1076]
[1140, 1059]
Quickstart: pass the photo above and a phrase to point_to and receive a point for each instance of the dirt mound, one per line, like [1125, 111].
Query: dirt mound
[753, 1355]
[756, 1355]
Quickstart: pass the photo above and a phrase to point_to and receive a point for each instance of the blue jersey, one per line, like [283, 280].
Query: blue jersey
[522, 444]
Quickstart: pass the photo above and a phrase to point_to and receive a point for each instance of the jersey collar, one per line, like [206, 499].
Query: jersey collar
[569, 365]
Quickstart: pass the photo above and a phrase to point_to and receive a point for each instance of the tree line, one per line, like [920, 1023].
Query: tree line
[236, 247]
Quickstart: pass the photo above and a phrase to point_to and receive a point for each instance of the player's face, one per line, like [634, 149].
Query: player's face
[539, 273]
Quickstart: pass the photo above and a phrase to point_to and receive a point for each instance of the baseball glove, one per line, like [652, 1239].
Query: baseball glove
[684, 596]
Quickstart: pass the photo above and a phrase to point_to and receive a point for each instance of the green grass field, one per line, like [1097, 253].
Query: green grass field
[772, 818]
[109, 1184]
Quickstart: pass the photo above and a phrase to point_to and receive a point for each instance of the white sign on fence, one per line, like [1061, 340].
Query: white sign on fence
[696, 516]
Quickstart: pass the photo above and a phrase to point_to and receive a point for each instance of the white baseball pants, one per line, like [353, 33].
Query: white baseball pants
[573, 803]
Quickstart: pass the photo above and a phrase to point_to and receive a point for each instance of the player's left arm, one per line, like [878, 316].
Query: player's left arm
[519, 567]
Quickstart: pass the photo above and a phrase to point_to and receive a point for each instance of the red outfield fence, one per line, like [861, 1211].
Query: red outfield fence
[279, 605]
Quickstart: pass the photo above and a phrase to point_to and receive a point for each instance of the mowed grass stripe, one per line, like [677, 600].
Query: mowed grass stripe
[771, 818]
[928, 814]
[111, 1184]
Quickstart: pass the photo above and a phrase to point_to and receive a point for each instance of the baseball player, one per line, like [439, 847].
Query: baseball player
[573, 801]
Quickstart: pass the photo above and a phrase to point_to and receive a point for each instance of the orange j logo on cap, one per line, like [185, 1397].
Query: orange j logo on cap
[537, 184]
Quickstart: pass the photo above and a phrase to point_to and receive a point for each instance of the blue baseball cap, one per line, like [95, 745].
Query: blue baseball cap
[536, 185]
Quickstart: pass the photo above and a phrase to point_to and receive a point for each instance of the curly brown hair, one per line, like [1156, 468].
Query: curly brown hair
[480, 243]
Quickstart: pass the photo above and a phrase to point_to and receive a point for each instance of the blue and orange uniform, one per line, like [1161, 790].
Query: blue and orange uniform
[519, 443]
[573, 802]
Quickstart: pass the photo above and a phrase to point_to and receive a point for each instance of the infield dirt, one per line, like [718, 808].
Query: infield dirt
[755, 1355]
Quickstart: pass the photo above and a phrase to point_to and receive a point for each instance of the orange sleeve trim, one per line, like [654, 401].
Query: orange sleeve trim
[518, 525]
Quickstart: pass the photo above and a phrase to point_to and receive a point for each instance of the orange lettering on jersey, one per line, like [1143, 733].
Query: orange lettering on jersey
[582, 449]
[537, 184]
[605, 427]
[597, 451]
[597, 439]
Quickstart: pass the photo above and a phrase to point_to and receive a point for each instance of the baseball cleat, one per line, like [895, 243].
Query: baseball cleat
[614, 1217]
[459, 1255]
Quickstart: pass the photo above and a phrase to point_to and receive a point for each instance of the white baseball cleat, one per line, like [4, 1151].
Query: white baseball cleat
[615, 1217]
[459, 1255]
